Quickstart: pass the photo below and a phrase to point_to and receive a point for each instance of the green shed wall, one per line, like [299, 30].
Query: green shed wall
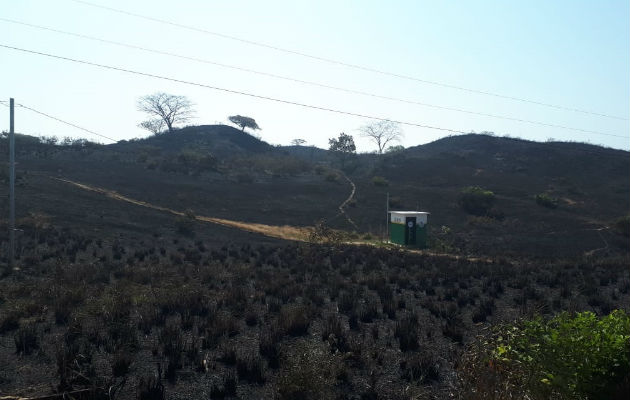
[397, 234]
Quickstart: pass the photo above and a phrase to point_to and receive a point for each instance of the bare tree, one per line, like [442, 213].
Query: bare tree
[244, 122]
[153, 125]
[382, 133]
[166, 107]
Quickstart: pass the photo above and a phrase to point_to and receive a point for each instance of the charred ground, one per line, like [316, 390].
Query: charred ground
[109, 291]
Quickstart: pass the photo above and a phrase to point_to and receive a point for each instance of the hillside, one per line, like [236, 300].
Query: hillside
[121, 294]
[218, 171]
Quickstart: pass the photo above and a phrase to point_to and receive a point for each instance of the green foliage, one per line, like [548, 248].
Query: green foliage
[622, 225]
[380, 181]
[343, 144]
[343, 147]
[395, 149]
[476, 201]
[545, 200]
[570, 356]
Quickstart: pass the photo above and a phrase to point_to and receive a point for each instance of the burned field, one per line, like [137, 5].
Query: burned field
[173, 317]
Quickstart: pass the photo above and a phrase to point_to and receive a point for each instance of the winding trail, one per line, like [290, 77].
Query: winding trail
[285, 232]
[345, 203]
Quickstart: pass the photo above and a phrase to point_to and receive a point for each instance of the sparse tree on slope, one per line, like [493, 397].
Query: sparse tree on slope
[343, 147]
[153, 125]
[244, 122]
[168, 108]
[382, 133]
[298, 142]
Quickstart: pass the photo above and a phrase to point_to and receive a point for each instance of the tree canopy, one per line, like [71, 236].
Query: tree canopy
[343, 147]
[343, 144]
[244, 122]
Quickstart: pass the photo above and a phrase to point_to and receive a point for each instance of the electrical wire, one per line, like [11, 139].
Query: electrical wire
[229, 90]
[346, 90]
[345, 64]
[60, 120]
[246, 93]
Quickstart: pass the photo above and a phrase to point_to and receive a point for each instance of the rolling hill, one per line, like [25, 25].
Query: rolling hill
[219, 171]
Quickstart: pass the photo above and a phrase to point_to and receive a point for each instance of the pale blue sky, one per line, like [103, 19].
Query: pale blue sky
[570, 53]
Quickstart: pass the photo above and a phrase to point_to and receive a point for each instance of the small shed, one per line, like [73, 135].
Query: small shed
[408, 228]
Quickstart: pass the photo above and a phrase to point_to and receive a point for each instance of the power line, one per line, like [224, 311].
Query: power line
[246, 93]
[228, 90]
[62, 121]
[345, 64]
[352, 91]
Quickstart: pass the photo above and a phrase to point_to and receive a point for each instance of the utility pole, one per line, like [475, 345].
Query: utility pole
[11, 186]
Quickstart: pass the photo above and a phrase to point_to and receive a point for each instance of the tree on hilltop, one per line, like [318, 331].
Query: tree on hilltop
[244, 122]
[298, 142]
[167, 109]
[382, 133]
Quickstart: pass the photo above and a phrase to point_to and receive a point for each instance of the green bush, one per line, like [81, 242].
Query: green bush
[570, 356]
[545, 200]
[476, 201]
[380, 181]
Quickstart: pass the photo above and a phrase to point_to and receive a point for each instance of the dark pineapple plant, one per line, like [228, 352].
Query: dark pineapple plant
[238, 314]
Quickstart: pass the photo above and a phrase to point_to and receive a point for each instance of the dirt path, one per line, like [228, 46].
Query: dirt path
[345, 203]
[285, 232]
[281, 232]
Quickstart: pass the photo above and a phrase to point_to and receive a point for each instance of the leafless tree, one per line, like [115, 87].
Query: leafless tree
[166, 107]
[382, 133]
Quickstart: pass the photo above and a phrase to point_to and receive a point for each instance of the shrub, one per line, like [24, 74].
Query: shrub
[185, 226]
[421, 367]
[295, 320]
[380, 181]
[269, 348]
[311, 373]
[150, 388]
[332, 177]
[228, 389]
[121, 362]
[570, 356]
[407, 333]
[395, 202]
[26, 340]
[545, 200]
[322, 233]
[9, 322]
[251, 368]
[622, 225]
[476, 201]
